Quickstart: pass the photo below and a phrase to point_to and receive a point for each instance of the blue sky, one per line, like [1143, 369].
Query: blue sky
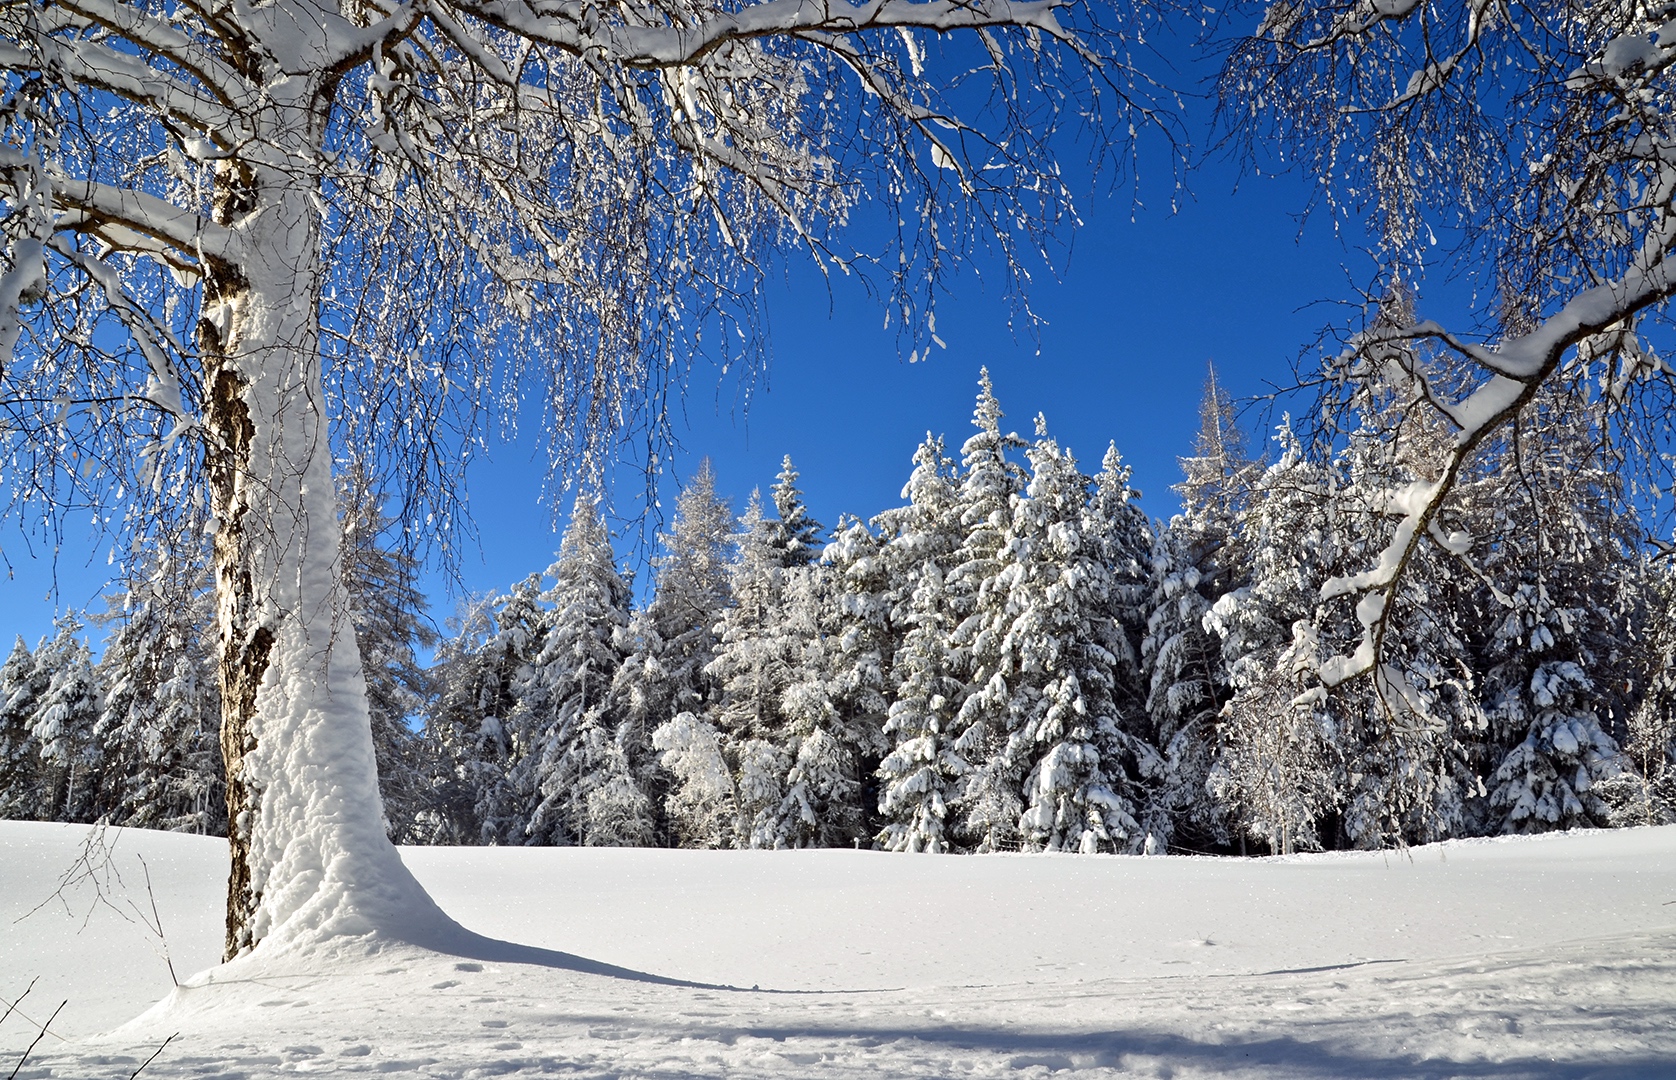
[1145, 298]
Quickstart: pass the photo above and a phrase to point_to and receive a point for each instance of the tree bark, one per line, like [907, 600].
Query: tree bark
[310, 857]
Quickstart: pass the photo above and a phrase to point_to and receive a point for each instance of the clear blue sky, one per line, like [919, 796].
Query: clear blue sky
[1144, 300]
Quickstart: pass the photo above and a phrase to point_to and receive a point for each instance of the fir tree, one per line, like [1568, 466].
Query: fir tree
[160, 725]
[565, 693]
[21, 687]
[919, 775]
[795, 536]
[65, 717]
[674, 637]
[989, 800]
[1196, 559]
[1063, 570]
[1278, 762]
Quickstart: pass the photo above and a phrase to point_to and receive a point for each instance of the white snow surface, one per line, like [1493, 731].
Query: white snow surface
[1535, 957]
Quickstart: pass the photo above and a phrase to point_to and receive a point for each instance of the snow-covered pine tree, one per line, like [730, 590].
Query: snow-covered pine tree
[388, 613]
[1650, 798]
[1404, 730]
[1558, 648]
[795, 534]
[989, 803]
[822, 805]
[673, 637]
[919, 777]
[750, 673]
[859, 645]
[471, 728]
[1196, 560]
[21, 687]
[1062, 647]
[573, 750]
[65, 717]
[160, 726]
[1279, 758]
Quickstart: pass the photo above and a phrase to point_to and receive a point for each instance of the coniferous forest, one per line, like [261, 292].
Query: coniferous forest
[1014, 658]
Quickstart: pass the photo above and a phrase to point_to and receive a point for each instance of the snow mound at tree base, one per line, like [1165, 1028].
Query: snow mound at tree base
[1544, 957]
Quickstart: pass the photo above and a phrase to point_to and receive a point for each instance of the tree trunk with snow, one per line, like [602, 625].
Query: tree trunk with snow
[305, 826]
[310, 220]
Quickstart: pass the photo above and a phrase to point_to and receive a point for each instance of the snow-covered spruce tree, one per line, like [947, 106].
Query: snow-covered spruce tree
[750, 673]
[1560, 650]
[505, 791]
[1540, 135]
[795, 534]
[573, 753]
[1063, 569]
[859, 645]
[159, 727]
[989, 802]
[919, 777]
[823, 802]
[832, 739]
[234, 234]
[674, 637]
[21, 687]
[1279, 754]
[1195, 561]
[1649, 790]
[1407, 730]
[388, 613]
[472, 729]
[65, 718]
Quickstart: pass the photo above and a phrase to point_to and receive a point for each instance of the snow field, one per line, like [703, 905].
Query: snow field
[1550, 957]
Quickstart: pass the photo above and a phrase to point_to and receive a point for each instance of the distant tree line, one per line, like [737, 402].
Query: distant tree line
[1017, 658]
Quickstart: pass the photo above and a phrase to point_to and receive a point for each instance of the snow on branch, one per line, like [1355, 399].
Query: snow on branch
[575, 27]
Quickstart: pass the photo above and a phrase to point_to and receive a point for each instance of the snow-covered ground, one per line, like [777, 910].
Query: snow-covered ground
[1553, 956]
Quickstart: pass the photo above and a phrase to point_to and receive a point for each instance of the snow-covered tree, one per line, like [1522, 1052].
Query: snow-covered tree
[65, 718]
[674, 637]
[919, 777]
[566, 689]
[1560, 643]
[160, 726]
[750, 673]
[858, 650]
[989, 801]
[1064, 647]
[234, 234]
[1279, 753]
[1195, 561]
[795, 535]
[21, 687]
[1566, 230]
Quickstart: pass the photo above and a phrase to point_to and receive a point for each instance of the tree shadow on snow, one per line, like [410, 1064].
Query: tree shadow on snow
[1164, 1054]
[469, 945]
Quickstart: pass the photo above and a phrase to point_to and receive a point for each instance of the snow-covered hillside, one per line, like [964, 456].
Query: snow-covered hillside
[1553, 956]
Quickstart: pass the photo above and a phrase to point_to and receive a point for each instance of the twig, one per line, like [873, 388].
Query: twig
[11, 1006]
[38, 1038]
[153, 1056]
[156, 923]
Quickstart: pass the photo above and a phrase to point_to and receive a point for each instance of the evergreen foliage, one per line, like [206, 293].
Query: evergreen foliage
[1015, 658]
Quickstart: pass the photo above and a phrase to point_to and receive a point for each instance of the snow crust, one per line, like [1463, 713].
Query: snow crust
[1546, 956]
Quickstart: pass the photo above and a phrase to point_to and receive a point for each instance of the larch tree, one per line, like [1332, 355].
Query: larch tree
[235, 234]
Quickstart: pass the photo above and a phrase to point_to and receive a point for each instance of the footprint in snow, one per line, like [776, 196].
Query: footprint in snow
[468, 967]
[445, 984]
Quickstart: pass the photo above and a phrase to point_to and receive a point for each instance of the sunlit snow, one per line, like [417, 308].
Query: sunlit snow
[1531, 957]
